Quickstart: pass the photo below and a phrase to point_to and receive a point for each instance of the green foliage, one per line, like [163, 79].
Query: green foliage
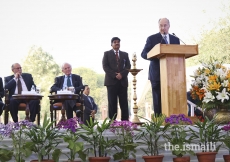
[151, 132]
[207, 132]
[226, 141]
[125, 135]
[43, 69]
[21, 147]
[44, 139]
[93, 133]
[214, 42]
[178, 137]
[5, 154]
[74, 146]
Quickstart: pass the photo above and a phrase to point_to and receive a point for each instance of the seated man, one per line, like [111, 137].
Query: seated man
[65, 81]
[1, 95]
[16, 84]
[197, 111]
[90, 106]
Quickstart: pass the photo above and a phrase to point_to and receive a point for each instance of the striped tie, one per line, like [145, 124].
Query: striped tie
[165, 38]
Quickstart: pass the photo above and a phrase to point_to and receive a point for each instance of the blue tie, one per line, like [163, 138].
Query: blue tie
[90, 101]
[68, 82]
[165, 38]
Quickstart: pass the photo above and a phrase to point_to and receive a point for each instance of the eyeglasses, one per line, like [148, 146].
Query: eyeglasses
[19, 68]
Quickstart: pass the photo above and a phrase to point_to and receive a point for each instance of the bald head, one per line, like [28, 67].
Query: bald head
[16, 68]
[164, 25]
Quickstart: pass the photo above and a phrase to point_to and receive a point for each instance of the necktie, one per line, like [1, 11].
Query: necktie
[68, 82]
[165, 38]
[117, 58]
[90, 101]
[19, 86]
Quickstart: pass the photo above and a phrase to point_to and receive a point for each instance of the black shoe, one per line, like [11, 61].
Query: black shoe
[2, 106]
[78, 113]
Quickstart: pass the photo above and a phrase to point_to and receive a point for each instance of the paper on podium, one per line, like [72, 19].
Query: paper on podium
[64, 92]
[29, 93]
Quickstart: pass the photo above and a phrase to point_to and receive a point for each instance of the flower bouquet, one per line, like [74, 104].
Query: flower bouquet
[211, 85]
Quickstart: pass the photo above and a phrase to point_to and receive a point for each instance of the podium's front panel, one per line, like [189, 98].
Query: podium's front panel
[173, 84]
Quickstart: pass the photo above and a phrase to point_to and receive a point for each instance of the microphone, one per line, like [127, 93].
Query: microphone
[162, 38]
[178, 38]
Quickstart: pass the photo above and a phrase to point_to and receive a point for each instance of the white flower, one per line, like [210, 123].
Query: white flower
[221, 73]
[222, 95]
[225, 83]
[208, 97]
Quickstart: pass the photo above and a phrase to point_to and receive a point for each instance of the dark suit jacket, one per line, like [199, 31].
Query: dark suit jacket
[88, 107]
[154, 67]
[76, 80]
[109, 63]
[10, 83]
[1, 89]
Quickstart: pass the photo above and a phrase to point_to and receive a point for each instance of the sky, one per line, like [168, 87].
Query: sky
[80, 31]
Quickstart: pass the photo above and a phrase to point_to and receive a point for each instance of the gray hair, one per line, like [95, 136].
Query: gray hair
[12, 66]
[65, 64]
[164, 18]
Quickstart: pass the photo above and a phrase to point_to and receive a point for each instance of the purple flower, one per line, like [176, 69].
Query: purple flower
[7, 129]
[178, 119]
[226, 127]
[69, 124]
[119, 126]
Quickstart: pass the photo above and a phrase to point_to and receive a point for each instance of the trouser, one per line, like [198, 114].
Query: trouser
[33, 106]
[156, 94]
[114, 93]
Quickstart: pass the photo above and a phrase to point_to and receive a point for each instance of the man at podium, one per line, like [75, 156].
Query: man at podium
[162, 37]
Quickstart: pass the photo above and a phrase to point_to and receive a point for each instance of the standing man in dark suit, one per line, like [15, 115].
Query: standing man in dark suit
[65, 81]
[162, 37]
[1, 95]
[90, 106]
[16, 84]
[115, 64]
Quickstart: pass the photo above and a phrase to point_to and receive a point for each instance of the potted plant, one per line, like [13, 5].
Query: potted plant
[71, 137]
[226, 141]
[16, 131]
[178, 137]
[151, 131]
[210, 88]
[125, 145]
[207, 134]
[44, 141]
[5, 153]
[100, 144]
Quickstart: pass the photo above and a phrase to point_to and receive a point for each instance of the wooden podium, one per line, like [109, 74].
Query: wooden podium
[173, 75]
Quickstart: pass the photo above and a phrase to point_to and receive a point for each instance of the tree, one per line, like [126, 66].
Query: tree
[214, 42]
[44, 69]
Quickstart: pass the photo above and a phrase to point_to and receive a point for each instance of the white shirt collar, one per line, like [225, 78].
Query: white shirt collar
[115, 52]
[66, 76]
[167, 36]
